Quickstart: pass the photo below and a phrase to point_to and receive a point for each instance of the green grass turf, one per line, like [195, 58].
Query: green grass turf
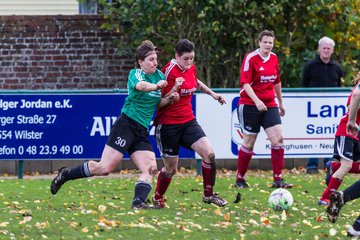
[99, 208]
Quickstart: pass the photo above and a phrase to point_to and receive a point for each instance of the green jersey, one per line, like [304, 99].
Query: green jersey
[140, 106]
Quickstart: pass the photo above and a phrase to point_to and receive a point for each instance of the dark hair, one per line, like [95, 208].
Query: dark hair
[146, 47]
[266, 33]
[184, 46]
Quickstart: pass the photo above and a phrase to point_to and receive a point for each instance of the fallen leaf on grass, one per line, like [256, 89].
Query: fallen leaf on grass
[319, 218]
[227, 217]
[253, 222]
[218, 212]
[254, 212]
[274, 216]
[141, 225]
[101, 208]
[108, 223]
[307, 223]
[4, 224]
[26, 219]
[224, 224]
[265, 220]
[240, 227]
[332, 232]
[74, 224]
[25, 212]
[42, 225]
[183, 228]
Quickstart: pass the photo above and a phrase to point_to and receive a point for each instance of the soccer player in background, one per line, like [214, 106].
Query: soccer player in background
[130, 131]
[176, 125]
[346, 150]
[260, 83]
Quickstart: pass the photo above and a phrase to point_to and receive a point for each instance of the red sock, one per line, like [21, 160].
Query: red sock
[355, 168]
[208, 177]
[244, 158]
[162, 185]
[334, 184]
[277, 159]
[335, 165]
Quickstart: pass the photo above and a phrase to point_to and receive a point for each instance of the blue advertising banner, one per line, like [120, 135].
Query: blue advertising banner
[60, 126]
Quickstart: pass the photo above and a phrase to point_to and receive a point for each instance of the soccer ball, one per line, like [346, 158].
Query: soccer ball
[280, 199]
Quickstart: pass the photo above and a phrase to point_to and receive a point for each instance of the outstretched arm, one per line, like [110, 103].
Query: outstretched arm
[203, 88]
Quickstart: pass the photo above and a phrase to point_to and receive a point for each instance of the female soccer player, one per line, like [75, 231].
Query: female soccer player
[338, 199]
[260, 82]
[130, 131]
[176, 124]
[346, 150]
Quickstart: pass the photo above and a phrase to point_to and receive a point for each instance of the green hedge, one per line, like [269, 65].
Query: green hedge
[225, 30]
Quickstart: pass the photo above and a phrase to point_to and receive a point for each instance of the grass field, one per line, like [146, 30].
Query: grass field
[99, 208]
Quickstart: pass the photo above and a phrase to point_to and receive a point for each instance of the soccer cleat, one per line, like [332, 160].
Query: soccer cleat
[336, 203]
[281, 184]
[215, 199]
[351, 232]
[329, 173]
[242, 184]
[58, 181]
[324, 202]
[158, 203]
[141, 205]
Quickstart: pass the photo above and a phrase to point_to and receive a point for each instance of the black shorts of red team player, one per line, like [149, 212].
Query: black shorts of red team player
[346, 148]
[127, 135]
[251, 119]
[169, 137]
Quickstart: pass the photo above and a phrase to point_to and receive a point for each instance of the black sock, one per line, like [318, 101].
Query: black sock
[142, 190]
[356, 224]
[81, 171]
[352, 192]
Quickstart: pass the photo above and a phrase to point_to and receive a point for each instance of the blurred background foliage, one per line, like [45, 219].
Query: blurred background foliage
[225, 30]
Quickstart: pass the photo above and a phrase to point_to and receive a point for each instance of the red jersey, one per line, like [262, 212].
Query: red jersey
[261, 73]
[181, 111]
[341, 130]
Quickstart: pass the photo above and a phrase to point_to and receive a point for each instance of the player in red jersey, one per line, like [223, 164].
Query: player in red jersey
[346, 150]
[176, 124]
[260, 82]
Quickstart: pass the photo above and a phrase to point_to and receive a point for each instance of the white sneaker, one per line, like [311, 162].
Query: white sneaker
[352, 232]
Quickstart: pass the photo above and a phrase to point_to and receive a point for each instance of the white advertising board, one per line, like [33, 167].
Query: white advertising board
[309, 124]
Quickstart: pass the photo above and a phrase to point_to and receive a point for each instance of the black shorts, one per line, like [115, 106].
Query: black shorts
[169, 137]
[251, 119]
[346, 148]
[127, 135]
